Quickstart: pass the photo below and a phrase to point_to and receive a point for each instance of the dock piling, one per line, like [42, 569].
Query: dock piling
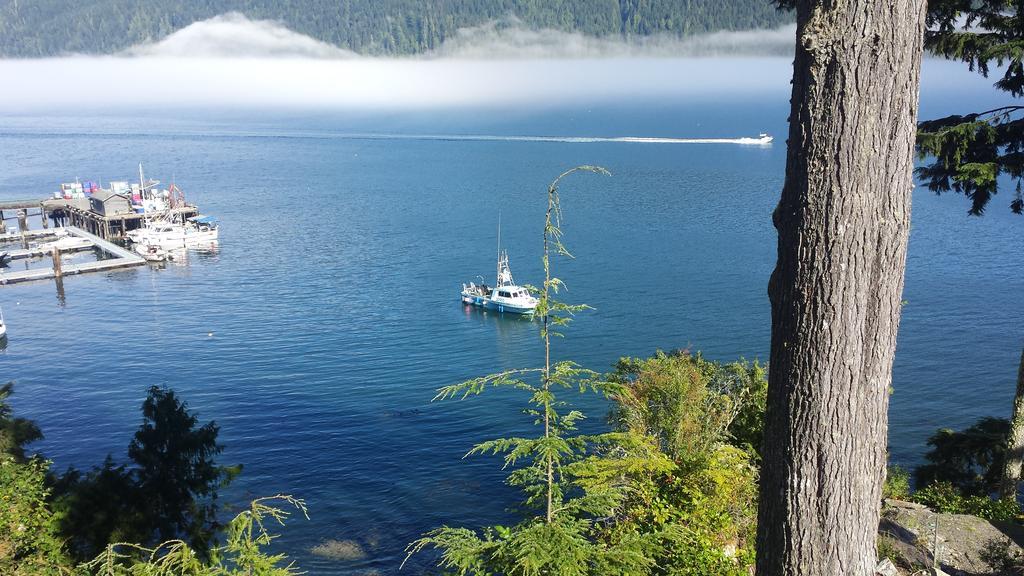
[57, 273]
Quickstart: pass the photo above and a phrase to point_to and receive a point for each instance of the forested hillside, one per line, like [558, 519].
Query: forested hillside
[33, 28]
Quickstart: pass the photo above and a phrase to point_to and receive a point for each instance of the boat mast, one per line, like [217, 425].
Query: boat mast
[497, 275]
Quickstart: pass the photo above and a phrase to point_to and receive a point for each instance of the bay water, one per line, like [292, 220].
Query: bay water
[317, 332]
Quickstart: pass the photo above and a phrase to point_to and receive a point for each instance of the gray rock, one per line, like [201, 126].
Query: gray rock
[893, 502]
[886, 568]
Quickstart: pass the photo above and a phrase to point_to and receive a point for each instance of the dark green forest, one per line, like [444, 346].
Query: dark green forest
[37, 28]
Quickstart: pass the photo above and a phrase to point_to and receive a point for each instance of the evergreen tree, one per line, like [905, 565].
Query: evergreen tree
[169, 492]
[176, 472]
[15, 433]
[971, 152]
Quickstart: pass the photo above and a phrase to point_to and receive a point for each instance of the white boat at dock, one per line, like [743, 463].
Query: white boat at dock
[505, 296]
[3, 325]
[197, 231]
[150, 252]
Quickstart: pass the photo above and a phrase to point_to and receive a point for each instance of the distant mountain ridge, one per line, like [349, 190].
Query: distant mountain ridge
[41, 28]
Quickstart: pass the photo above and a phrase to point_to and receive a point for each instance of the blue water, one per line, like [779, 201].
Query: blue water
[318, 331]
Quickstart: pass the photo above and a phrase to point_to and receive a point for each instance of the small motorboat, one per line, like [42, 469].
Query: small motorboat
[761, 140]
[5, 259]
[3, 326]
[150, 252]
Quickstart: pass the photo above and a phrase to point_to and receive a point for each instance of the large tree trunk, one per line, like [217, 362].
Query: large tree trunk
[1015, 441]
[843, 222]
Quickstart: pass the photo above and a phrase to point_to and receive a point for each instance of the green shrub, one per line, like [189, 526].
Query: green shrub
[689, 407]
[29, 542]
[946, 498]
[1003, 557]
[886, 549]
[705, 506]
[897, 483]
[690, 404]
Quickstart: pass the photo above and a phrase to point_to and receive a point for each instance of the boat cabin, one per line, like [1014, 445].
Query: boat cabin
[512, 292]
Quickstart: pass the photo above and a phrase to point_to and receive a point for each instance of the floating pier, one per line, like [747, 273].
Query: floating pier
[121, 259]
[41, 251]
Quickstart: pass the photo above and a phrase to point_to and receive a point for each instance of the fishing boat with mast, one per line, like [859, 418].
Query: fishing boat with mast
[168, 232]
[505, 295]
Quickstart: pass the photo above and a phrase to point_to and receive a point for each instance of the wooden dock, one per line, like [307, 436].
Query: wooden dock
[14, 236]
[121, 259]
[75, 213]
[39, 251]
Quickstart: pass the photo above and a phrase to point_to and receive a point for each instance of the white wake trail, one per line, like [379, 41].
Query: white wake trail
[760, 140]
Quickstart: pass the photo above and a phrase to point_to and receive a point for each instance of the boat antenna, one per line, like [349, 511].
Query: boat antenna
[497, 276]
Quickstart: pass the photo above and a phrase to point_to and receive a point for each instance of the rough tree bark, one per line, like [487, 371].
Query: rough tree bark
[1015, 441]
[843, 222]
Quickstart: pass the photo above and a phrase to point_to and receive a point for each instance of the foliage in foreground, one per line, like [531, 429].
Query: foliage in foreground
[971, 460]
[169, 492]
[946, 498]
[664, 493]
[963, 471]
[690, 404]
[15, 433]
[243, 553]
[704, 417]
[30, 543]
[897, 483]
[972, 152]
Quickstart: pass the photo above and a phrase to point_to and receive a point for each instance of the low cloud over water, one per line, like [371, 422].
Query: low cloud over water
[233, 61]
[233, 35]
[511, 40]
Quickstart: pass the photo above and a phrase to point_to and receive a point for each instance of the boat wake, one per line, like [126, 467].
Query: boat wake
[760, 140]
[763, 139]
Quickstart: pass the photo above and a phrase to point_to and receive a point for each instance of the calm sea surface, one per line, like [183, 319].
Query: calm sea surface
[317, 333]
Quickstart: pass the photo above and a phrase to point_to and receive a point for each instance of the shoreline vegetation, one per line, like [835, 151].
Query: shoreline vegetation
[670, 488]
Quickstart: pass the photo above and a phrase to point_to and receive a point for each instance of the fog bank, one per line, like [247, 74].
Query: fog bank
[231, 61]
